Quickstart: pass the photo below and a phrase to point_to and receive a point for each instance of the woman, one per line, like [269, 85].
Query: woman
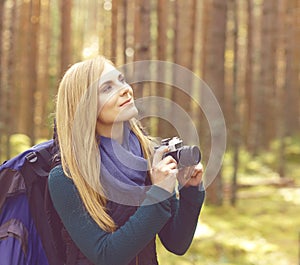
[111, 202]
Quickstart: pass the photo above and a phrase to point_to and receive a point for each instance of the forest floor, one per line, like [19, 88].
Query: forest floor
[262, 229]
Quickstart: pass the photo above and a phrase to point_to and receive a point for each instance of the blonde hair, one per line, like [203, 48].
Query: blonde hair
[76, 118]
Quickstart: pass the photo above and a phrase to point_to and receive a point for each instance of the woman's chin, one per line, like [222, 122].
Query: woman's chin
[127, 113]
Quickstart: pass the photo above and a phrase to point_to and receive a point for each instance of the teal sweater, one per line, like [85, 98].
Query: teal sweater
[174, 220]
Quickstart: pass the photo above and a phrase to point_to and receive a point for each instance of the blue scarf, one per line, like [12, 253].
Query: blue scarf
[123, 169]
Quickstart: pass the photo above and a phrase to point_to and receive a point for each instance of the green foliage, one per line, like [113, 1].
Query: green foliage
[292, 152]
[266, 163]
[260, 230]
[249, 165]
[19, 143]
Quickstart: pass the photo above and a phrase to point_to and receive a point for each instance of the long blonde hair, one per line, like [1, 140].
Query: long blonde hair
[76, 118]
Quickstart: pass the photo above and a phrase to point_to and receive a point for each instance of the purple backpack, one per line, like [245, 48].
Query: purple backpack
[27, 217]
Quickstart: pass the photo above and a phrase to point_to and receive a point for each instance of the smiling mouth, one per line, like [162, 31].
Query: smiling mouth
[125, 102]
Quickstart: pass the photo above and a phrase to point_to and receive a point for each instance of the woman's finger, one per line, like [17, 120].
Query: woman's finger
[197, 169]
[158, 155]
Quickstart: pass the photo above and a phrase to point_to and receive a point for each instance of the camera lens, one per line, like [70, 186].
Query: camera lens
[189, 156]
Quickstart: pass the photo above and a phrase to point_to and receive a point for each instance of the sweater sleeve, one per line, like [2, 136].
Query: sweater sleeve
[178, 232]
[99, 246]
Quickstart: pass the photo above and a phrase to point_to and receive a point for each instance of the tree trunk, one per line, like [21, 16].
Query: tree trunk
[183, 56]
[65, 37]
[8, 86]
[292, 68]
[2, 124]
[142, 41]
[43, 88]
[289, 96]
[33, 67]
[142, 30]
[235, 100]
[249, 119]
[267, 90]
[114, 30]
[23, 83]
[213, 69]
[162, 44]
[124, 23]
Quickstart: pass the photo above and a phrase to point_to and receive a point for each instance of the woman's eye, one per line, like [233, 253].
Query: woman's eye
[122, 79]
[107, 88]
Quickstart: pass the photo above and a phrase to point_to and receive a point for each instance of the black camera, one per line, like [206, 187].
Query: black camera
[185, 156]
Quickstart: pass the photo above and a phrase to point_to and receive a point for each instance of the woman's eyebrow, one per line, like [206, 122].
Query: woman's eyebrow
[106, 82]
[110, 77]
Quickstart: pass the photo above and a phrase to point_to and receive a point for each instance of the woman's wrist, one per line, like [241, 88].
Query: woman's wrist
[156, 194]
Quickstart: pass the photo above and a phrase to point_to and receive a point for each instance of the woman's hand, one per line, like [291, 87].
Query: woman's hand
[191, 176]
[164, 170]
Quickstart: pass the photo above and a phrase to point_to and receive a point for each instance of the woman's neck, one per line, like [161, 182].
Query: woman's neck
[113, 131]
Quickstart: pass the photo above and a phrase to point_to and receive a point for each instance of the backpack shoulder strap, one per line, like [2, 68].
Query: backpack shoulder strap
[40, 161]
[6, 178]
[35, 172]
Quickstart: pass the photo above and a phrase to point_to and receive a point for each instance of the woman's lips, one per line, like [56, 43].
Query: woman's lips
[126, 102]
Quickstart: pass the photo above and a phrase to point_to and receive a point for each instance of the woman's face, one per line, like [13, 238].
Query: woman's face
[115, 97]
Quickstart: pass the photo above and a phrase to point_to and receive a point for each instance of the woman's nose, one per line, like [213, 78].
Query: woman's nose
[125, 90]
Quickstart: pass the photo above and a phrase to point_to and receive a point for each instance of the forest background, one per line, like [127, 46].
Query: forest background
[246, 51]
